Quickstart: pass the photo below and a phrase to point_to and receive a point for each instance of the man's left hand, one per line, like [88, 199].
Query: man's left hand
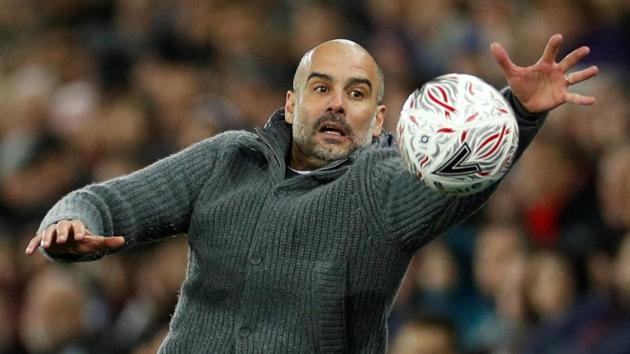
[545, 85]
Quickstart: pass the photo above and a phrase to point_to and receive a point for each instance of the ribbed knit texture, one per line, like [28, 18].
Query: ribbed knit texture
[300, 265]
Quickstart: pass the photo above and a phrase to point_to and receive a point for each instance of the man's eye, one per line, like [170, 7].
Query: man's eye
[321, 89]
[357, 94]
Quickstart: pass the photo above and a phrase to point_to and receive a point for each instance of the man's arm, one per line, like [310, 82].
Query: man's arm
[144, 206]
[413, 214]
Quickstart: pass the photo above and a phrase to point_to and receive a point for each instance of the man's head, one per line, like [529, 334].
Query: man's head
[335, 106]
[425, 333]
[498, 249]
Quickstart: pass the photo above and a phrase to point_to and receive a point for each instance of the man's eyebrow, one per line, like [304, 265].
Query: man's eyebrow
[358, 81]
[352, 81]
[319, 76]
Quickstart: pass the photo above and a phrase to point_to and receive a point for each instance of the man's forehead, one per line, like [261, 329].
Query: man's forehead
[341, 56]
[338, 57]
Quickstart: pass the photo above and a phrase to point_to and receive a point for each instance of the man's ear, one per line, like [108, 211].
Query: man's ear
[381, 112]
[289, 107]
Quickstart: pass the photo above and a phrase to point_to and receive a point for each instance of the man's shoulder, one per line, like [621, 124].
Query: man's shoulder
[238, 135]
[378, 153]
[230, 138]
[219, 145]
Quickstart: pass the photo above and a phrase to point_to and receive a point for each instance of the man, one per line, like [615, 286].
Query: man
[299, 233]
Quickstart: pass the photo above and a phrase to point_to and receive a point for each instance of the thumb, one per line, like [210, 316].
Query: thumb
[502, 58]
[114, 242]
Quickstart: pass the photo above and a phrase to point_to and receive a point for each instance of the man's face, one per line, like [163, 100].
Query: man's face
[334, 109]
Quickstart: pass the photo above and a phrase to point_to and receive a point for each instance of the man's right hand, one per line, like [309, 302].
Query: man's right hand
[72, 237]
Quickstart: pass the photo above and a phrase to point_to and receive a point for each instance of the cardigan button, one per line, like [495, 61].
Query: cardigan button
[244, 331]
[255, 260]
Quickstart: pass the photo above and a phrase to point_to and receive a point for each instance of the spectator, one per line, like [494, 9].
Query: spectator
[426, 334]
[54, 312]
[498, 266]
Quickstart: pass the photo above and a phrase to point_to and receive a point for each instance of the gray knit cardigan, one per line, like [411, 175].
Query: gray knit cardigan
[304, 264]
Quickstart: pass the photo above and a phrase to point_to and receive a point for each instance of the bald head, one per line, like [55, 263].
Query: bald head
[343, 45]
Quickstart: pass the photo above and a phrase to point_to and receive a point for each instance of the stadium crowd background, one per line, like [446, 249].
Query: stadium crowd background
[94, 89]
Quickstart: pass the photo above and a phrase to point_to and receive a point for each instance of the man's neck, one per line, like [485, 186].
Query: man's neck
[301, 162]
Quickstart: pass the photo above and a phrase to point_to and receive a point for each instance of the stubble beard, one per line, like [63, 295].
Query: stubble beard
[319, 155]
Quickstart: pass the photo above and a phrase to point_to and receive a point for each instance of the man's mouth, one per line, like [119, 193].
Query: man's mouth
[334, 129]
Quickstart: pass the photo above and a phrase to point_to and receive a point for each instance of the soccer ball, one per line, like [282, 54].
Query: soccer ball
[457, 134]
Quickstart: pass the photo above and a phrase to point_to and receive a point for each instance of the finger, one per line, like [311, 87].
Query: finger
[49, 235]
[79, 229]
[502, 58]
[582, 75]
[33, 244]
[573, 58]
[114, 242]
[579, 99]
[552, 48]
[63, 228]
[91, 244]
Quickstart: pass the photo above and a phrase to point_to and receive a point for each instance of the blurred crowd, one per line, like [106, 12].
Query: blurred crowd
[92, 89]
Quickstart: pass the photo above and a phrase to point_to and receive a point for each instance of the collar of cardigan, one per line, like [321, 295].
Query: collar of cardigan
[277, 135]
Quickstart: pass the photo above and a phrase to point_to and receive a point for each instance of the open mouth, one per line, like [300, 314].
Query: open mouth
[333, 129]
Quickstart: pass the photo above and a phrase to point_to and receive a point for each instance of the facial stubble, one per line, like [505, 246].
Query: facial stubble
[322, 154]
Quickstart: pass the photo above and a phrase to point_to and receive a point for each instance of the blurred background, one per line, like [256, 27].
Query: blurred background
[90, 90]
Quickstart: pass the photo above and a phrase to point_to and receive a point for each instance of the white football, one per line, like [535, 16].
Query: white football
[457, 134]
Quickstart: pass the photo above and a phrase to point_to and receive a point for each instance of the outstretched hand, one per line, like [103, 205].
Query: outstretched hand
[72, 237]
[544, 85]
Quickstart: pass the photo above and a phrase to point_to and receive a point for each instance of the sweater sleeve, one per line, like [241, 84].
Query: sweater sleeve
[413, 214]
[144, 206]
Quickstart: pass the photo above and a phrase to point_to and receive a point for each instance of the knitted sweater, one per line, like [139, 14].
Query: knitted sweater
[304, 264]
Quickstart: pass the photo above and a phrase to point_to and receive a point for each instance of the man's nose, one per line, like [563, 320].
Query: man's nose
[336, 103]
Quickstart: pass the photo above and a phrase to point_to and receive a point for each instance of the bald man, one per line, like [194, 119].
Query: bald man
[301, 231]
